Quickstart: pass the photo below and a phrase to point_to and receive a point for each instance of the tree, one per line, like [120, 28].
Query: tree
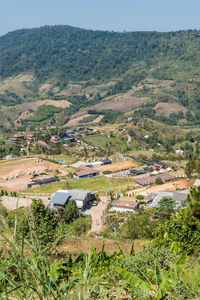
[193, 211]
[189, 168]
[69, 213]
[159, 180]
[167, 207]
[44, 221]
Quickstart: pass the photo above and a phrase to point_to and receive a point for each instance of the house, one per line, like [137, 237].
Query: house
[69, 132]
[79, 128]
[124, 206]
[197, 183]
[68, 139]
[180, 152]
[16, 138]
[43, 181]
[148, 169]
[147, 180]
[43, 144]
[29, 138]
[137, 172]
[106, 161]
[82, 197]
[60, 199]
[86, 172]
[178, 197]
[55, 139]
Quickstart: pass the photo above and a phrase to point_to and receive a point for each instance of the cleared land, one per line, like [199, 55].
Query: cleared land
[165, 109]
[117, 167]
[18, 169]
[75, 121]
[169, 186]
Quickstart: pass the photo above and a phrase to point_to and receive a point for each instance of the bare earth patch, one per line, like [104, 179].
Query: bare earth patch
[75, 121]
[45, 87]
[14, 173]
[97, 120]
[165, 109]
[116, 167]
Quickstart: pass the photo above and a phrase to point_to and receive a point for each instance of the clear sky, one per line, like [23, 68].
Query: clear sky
[116, 15]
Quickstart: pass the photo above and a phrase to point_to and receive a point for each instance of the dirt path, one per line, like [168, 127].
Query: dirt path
[97, 212]
[168, 186]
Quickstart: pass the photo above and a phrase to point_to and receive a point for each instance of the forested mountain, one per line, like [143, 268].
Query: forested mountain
[161, 67]
[68, 53]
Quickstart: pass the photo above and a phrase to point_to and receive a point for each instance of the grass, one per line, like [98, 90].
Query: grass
[105, 142]
[99, 184]
[67, 158]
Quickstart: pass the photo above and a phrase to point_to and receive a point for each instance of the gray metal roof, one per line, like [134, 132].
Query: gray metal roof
[79, 194]
[60, 198]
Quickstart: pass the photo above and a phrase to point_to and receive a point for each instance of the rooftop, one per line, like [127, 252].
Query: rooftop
[60, 198]
[126, 204]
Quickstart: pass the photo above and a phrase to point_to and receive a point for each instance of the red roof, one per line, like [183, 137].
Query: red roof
[152, 179]
[86, 171]
[126, 204]
[43, 144]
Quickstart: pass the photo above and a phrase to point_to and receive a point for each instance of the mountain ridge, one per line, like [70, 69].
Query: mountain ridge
[86, 67]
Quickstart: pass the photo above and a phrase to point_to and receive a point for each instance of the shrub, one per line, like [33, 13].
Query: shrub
[159, 180]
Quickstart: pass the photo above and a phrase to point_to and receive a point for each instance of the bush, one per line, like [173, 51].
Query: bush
[159, 180]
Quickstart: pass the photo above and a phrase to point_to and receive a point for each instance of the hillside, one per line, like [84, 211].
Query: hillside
[85, 67]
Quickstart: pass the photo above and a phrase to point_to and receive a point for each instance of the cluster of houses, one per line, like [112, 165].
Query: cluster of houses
[152, 200]
[70, 136]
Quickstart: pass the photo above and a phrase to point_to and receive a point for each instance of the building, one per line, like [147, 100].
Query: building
[43, 144]
[86, 172]
[81, 197]
[43, 181]
[16, 138]
[137, 172]
[197, 183]
[29, 138]
[152, 179]
[55, 139]
[69, 132]
[106, 161]
[178, 197]
[60, 199]
[180, 152]
[124, 206]
[68, 139]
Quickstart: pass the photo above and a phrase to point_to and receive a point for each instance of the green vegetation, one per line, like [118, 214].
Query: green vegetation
[110, 116]
[34, 262]
[158, 180]
[160, 67]
[99, 184]
[43, 113]
[88, 119]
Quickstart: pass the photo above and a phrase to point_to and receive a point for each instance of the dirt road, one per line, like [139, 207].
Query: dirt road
[97, 213]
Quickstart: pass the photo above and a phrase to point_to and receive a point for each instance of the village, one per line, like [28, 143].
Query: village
[117, 184]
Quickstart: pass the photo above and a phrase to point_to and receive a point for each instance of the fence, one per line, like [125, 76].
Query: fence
[35, 194]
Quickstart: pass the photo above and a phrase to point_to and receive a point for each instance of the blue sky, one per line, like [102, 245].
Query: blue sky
[116, 15]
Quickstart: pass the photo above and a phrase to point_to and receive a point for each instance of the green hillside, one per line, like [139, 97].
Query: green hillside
[80, 65]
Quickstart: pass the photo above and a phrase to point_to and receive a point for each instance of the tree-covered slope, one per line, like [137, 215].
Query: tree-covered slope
[66, 53]
[86, 67]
